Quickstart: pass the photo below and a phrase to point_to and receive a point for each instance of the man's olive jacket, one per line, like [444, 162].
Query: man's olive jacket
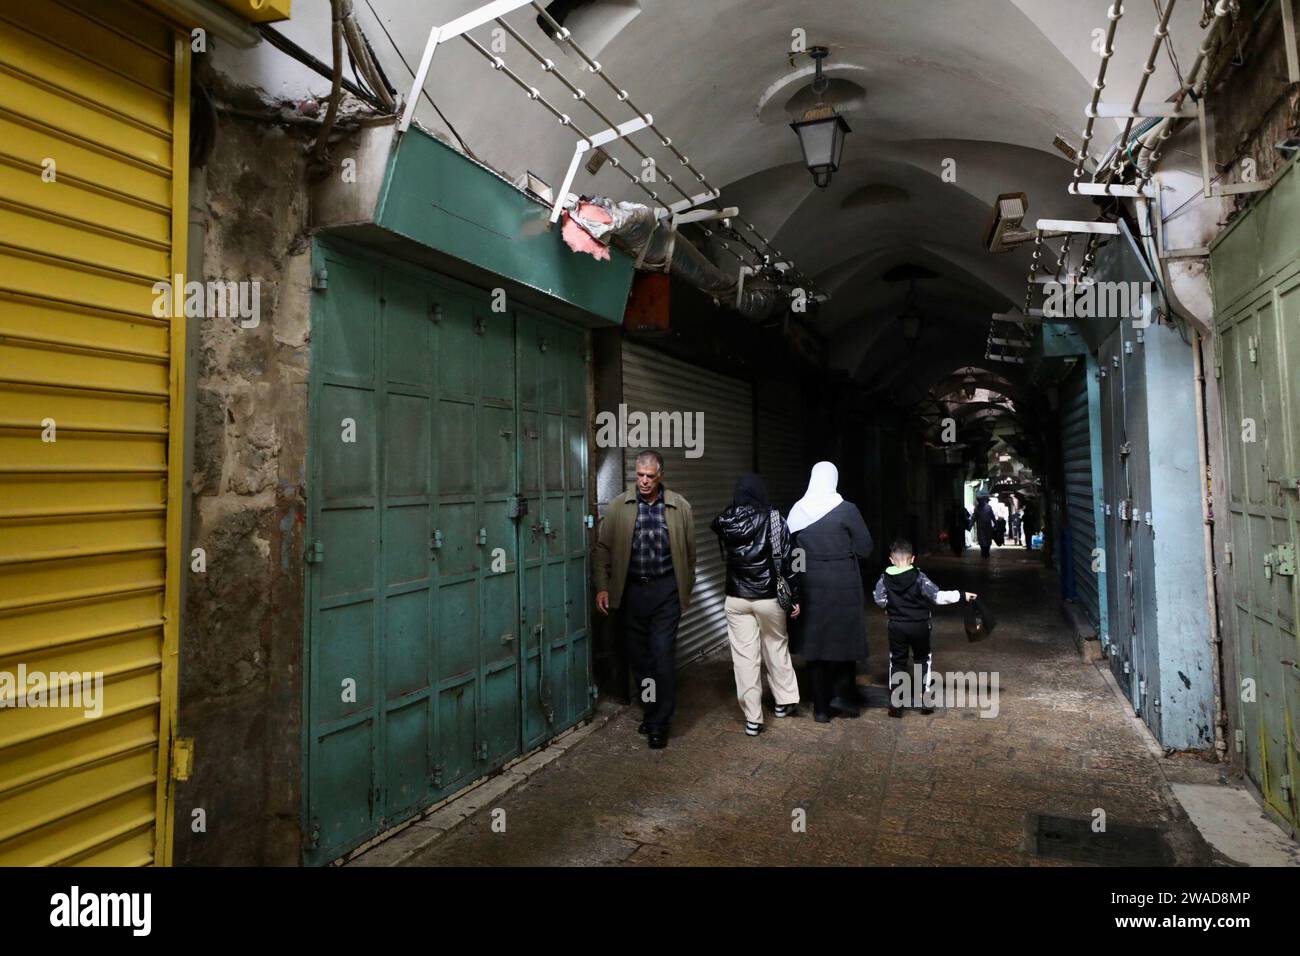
[614, 545]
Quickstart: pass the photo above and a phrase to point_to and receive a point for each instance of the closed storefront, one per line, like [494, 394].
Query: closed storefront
[1154, 550]
[654, 382]
[94, 102]
[1080, 454]
[448, 541]
[780, 442]
[1256, 273]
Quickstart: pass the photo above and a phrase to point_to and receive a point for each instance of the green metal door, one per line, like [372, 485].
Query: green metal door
[1259, 348]
[1255, 268]
[433, 417]
[553, 482]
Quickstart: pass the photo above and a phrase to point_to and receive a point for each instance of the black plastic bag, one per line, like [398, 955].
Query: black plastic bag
[979, 620]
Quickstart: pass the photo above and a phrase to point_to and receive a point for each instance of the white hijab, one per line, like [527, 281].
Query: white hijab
[820, 497]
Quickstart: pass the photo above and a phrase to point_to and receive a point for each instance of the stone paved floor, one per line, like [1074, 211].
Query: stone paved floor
[946, 789]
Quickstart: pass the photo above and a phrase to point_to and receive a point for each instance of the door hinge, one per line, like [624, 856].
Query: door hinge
[1284, 783]
[316, 553]
[182, 758]
[1252, 344]
[1284, 562]
[435, 312]
[594, 691]
[482, 535]
[482, 751]
[436, 777]
[313, 835]
[320, 279]
[590, 521]
[435, 540]
[1239, 740]
[1227, 554]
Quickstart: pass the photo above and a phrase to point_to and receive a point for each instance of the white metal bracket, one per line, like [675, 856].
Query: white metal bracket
[740, 283]
[1075, 225]
[1117, 189]
[582, 146]
[449, 31]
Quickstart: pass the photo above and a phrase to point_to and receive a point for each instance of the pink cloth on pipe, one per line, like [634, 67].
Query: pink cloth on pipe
[577, 238]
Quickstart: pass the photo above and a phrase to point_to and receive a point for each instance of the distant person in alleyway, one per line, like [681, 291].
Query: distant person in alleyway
[1029, 521]
[907, 596]
[755, 545]
[1017, 519]
[830, 538]
[982, 519]
[644, 565]
[1000, 531]
[958, 522]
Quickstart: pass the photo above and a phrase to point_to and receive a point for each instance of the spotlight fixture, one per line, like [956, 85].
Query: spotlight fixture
[821, 130]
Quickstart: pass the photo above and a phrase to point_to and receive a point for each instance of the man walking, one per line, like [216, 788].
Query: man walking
[645, 567]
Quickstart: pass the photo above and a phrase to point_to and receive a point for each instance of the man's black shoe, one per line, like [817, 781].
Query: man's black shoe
[894, 711]
[643, 728]
[658, 739]
[845, 708]
[821, 718]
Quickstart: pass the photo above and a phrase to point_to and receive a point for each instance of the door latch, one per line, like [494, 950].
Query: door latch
[316, 553]
[482, 535]
[1280, 560]
[435, 540]
[507, 638]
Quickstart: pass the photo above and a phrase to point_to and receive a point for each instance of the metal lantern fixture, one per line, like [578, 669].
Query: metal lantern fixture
[969, 384]
[821, 130]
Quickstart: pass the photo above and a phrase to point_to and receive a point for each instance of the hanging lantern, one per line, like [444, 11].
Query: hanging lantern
[821, 131]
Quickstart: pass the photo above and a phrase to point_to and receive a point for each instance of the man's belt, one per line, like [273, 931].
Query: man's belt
[646, 579]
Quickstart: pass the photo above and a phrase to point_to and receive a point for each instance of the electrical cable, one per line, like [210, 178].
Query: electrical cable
[463, 145]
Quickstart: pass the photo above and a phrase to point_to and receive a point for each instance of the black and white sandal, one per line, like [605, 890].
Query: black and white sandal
[787, 710]
[753, 729]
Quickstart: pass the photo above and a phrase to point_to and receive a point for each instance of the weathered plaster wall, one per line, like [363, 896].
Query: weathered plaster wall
[240, 673]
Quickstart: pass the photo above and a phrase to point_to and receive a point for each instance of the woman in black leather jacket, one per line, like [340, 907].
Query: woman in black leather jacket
[754, 541]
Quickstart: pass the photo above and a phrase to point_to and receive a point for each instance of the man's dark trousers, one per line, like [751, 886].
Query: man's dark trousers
[651, 613]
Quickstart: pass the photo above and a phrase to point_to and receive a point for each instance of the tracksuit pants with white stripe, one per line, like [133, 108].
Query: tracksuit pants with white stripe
[913, 637]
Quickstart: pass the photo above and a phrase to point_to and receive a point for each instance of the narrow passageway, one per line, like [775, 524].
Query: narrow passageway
[951, 788]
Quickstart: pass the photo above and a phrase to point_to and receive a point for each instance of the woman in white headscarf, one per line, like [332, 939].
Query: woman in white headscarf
[831, 632]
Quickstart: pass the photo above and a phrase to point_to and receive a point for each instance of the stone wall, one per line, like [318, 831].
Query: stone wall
[242, 633]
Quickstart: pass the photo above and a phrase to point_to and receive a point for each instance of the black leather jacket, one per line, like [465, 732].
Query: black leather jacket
[745, 539]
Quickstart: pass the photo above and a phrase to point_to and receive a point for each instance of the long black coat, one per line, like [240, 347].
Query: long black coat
[983, 521]
[832, 624]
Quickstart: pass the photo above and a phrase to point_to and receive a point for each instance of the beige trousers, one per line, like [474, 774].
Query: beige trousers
[758, 637]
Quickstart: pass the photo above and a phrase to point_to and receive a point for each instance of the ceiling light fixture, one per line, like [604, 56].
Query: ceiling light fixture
[821, 131]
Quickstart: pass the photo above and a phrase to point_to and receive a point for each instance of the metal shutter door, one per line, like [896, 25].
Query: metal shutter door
[780, 444]
[90, 522]
[1081, 512]
[655, 382]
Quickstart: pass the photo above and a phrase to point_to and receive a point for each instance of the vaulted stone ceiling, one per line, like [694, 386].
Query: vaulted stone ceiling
[986, 83]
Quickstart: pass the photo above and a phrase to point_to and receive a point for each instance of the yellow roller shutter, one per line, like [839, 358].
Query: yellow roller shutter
[94, 130]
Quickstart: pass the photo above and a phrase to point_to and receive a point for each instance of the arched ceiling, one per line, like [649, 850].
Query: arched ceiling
[987, 83]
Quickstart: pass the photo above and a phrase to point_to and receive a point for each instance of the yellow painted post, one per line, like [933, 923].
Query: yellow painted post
[176, 559]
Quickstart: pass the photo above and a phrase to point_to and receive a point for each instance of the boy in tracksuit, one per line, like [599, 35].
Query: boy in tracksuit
[907, 596]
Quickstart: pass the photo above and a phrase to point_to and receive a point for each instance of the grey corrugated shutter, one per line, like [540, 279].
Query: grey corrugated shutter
[780, 443]
[1076, 461]
[653, 382]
